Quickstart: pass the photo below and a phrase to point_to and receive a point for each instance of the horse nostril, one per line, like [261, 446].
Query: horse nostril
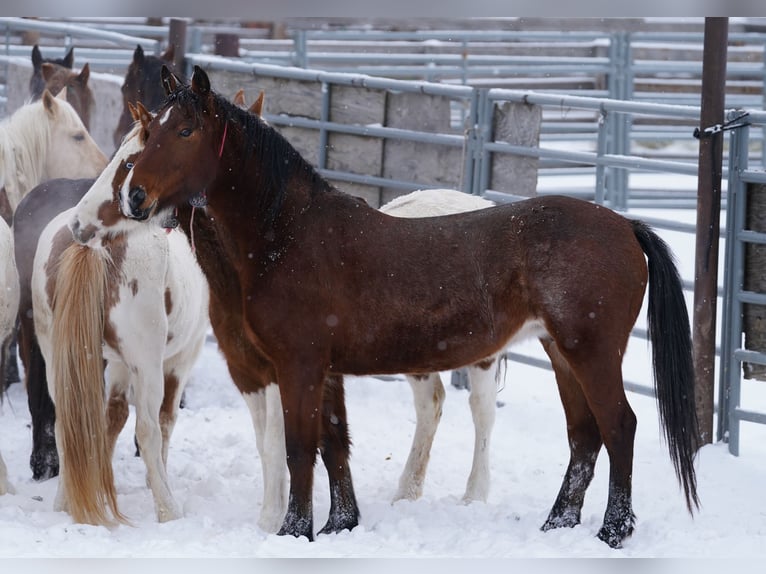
[136, 197]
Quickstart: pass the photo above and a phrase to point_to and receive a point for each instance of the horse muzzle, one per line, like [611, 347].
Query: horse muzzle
[132, 207]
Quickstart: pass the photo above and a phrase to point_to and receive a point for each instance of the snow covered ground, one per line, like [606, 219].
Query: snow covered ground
[215, 473]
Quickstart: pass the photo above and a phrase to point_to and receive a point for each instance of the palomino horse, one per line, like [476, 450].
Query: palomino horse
[322, 292]
[142, 84]
[428, 390]
[146, 317]
[9, 304]
[43, 140]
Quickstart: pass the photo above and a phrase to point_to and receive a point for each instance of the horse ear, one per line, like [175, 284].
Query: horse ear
[169, 81]
[48, 70]
[169, 54]
[84, 74]
[200, 83]
[49, 102]
[144, 115]
[134, 113]
[239, 98]
[37, 57]
[138, 55]
[69, 58]
[257, 107]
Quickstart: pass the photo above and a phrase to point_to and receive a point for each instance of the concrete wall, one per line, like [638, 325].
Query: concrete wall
[427, 164]
[106, 94]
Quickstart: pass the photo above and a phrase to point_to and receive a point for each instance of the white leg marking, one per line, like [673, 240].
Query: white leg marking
[482, 400]
[266, 410]
[428, 395]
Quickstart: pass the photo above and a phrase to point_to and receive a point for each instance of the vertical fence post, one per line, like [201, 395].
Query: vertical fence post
[708, 220]
[177, 39]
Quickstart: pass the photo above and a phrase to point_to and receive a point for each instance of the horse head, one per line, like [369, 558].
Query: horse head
[98, 213]
[78, 93]
[192, 125]
[72, 151]
[142, 84]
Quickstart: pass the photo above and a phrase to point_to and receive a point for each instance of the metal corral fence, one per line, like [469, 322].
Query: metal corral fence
[743, 358]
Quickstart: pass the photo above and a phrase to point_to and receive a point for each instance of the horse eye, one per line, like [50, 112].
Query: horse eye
[79, 137]
[185, 133]
[128, 165]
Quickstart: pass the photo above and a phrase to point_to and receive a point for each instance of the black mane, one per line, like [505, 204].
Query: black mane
[264, 146]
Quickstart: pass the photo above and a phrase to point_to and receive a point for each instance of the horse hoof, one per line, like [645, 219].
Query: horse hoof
[336, 525]
[614, 537]
[565, 520]
[297, 527]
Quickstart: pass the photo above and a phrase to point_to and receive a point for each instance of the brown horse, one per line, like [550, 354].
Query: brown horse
[78, 93]
[55, 74]
[142, 84]
[320, 274]
[37, 81]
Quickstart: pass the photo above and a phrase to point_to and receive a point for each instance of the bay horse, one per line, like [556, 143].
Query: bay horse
[9, 304]
[142, 84]
[251, 372]
[322, 292]
[136, 302]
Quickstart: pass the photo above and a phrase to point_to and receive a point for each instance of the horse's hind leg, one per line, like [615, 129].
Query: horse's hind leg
[44, 459]
[5, 485]
[584, 444]
[117, 409]
[335, 447]
[428, 396]
[598, 370]
[483, 381]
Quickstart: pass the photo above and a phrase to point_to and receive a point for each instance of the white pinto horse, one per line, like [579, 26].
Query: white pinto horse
[137, 299]
[9, 304]
[43, 140]
[428, 390]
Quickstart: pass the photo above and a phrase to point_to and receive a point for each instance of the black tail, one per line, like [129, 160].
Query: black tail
[670, 334]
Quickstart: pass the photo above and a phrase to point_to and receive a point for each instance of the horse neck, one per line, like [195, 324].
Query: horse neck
[26, 143]
[213, 249]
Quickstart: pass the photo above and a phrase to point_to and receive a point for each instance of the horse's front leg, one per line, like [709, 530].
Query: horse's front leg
[300, 387]
[335, 448]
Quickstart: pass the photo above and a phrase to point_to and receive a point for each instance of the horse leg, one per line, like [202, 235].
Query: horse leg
[598, 370]
[44, 459]
[266, 411]
[584, 444]
[300, 387]
[148, 393]
[117, 409]
[335, 448]
[177, 370]
[5, 485]
[10, 368]
[483, 385]
[428, 396]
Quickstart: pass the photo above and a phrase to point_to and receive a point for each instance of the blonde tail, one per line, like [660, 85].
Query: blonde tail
[78, 375]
